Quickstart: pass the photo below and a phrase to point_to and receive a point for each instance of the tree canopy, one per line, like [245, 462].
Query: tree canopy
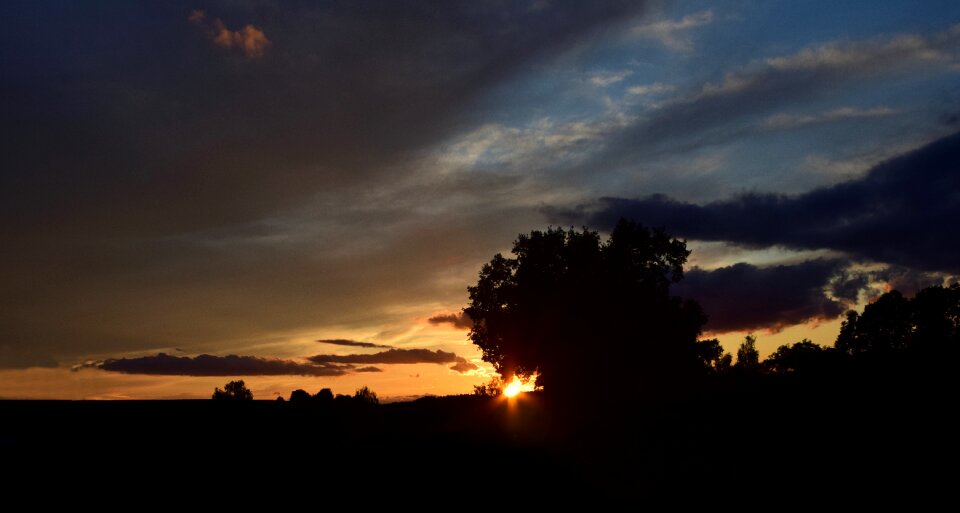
[580, 312]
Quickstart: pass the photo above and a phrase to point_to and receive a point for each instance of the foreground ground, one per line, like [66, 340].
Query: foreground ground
[781, 439]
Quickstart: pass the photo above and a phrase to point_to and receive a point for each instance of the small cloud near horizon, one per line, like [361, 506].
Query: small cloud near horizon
[249, 40]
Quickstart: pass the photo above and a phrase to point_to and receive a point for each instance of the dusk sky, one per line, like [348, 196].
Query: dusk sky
[298, 193]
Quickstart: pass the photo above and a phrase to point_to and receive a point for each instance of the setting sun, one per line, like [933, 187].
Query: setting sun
[513, 388]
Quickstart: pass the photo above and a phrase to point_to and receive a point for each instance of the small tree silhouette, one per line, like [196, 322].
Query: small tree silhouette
[747, 355]
[233, 391]
[365, 395]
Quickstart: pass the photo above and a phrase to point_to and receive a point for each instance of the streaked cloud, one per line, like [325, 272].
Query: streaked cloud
[784, 121]
[351, 343]
[209, 365]
[728, 109]
[849, 57]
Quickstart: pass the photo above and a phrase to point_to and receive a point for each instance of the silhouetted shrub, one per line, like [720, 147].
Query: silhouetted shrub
[366, 396]
[233, 391]
[300, 396]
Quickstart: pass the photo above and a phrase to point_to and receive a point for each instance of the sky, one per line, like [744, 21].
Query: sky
[298, 193]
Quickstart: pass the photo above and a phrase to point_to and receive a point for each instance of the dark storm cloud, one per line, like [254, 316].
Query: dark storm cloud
[351, 343]
[389, 356]
[398, 356]
[746, 297]
[150, 180]
[904, 212]
[208, 365]
[141, 130]
[457, 320]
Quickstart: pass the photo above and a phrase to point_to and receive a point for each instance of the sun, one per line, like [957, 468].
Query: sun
[513, 388]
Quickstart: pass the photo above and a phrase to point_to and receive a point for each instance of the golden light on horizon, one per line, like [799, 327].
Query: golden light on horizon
[513, 388]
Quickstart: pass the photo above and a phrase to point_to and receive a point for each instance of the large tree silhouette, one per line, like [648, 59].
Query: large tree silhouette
[581, 313]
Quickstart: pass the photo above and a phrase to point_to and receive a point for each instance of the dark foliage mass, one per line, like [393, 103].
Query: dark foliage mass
[573, 309]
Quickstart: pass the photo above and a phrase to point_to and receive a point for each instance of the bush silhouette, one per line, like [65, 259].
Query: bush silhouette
[324, 396]
[233, 391]
[366, 396]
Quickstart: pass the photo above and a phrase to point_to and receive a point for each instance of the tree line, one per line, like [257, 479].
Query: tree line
[238, 391]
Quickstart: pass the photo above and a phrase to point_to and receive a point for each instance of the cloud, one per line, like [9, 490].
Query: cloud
[368, 369]
[650, 89]
[784, 121]
[250, 40]
[606, 78]
[728, 108]
[902, 212]
[398, 356]
[351, 343]
[457, 320]
[209, 365]
[391, 356]
[674, 33]
[462, 366]
[744, 297]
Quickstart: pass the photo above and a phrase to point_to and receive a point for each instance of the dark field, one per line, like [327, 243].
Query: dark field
[779, 438]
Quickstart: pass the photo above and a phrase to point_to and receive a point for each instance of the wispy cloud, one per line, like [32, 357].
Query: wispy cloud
[674, 34]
